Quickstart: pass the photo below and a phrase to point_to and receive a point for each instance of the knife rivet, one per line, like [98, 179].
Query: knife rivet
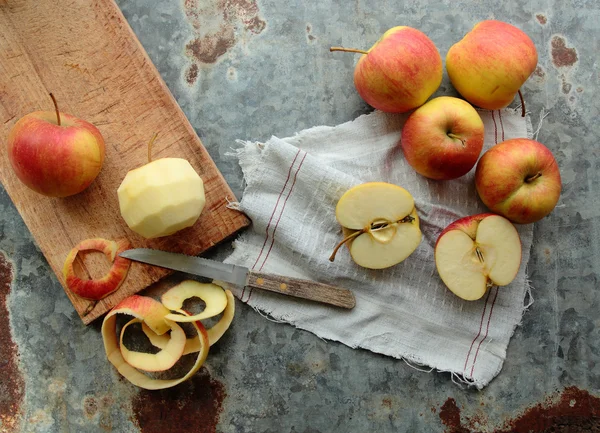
[260, 281]
[283, 286]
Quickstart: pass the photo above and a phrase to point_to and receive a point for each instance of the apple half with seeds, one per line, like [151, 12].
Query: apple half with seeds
[477, 252]
[380, 224]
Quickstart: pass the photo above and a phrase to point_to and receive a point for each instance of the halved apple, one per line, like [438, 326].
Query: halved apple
[380, 224]
[477, 252]
[99, 288]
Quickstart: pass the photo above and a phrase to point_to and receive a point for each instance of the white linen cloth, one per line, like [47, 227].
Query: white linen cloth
[292, 188]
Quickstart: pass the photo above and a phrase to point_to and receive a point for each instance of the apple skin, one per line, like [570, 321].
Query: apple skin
[519, 179]
[430, 150]
[489, 65]
[466, 224]
[53, 160]
[400, 72]
[102, 287]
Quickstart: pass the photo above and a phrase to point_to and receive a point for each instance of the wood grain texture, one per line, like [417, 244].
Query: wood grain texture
[87, 55]
[301, 289]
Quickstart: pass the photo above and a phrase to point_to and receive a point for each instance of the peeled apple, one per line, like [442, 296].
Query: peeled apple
[161, 197]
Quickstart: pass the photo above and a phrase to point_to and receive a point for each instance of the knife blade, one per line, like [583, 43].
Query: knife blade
[242, 276]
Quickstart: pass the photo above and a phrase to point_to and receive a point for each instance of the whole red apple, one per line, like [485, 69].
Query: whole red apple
[55, 154]
[519, 179]
[443, 138]
[399, 72]
[491, 63]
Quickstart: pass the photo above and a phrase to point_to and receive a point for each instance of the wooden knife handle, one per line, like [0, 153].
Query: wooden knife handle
[301, 289]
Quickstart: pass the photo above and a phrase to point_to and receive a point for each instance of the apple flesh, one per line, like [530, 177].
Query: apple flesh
[443, 138]
[490, 64]
[56, 160]
[380, 223]
[102, 287]
[476, 252]
[161, 197]
[519, 179]
[399, 72]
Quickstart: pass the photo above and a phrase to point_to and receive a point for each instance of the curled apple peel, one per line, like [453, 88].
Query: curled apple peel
[152, 313]
[191, 344]
[213, 295]
[101, 287]
[163, 360]
[153, 316]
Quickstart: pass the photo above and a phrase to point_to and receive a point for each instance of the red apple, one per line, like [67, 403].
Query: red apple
[443, 138]
[55, 154]
[400, 72]
[477, 252]
[519, 179]
[491, 63]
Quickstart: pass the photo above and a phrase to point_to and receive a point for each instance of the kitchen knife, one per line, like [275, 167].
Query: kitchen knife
[242, 276]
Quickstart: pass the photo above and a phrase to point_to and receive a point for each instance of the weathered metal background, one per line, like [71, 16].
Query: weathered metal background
[243, 69]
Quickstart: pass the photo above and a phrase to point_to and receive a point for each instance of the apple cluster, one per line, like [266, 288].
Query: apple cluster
[442, 139]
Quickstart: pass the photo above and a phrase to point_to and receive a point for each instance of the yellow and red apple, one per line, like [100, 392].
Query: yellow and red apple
[55, 154]
[491, 63]
[399, 72]
[443, 138]
[476, 252]
[519, 179]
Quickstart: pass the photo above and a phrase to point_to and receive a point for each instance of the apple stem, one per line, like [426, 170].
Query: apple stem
[150, 146]
[56, 109]
[348, 50]
[532, 178]
[522, 104]
[453, 136]
[346, 239]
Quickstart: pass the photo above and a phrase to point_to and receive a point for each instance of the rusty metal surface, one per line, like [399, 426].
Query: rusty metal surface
[245, 69]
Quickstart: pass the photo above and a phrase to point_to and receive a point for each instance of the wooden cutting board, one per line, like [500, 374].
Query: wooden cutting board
[85, 53]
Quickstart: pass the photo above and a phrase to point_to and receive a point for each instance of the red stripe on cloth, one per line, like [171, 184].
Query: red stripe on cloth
[501, 123]
[273, 214]
[495, 129]
[486, 330]
[478, 333]
[279, 219]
